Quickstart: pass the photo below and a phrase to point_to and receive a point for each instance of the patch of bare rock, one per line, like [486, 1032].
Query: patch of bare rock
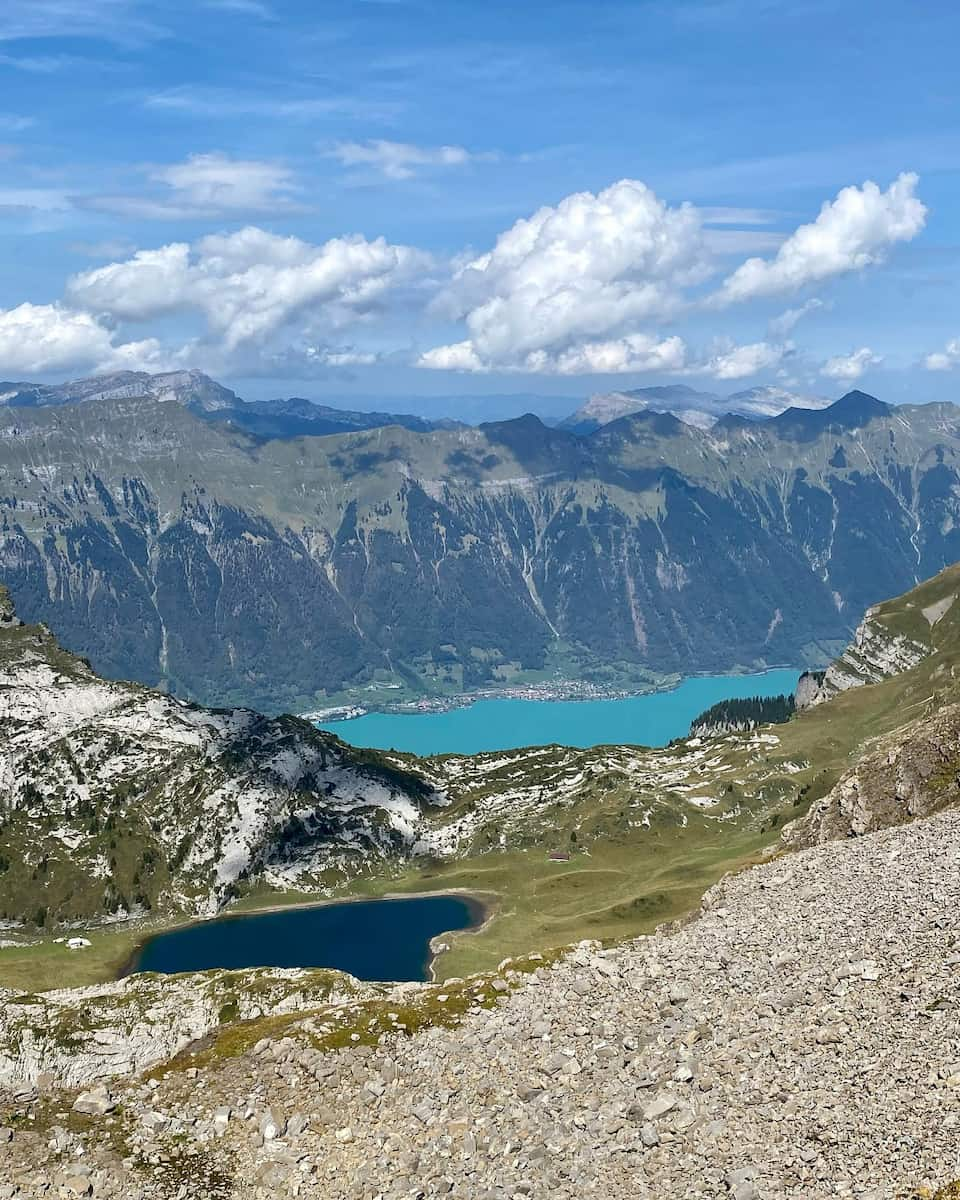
[800, 1039]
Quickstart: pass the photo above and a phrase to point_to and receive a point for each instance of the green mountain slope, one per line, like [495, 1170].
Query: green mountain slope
[114, 798]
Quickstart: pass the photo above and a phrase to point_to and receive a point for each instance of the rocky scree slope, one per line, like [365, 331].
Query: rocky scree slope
[758, 1051]
[798, 1040]
[171, 548]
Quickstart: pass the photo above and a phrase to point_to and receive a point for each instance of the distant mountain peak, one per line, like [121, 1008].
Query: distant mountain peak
[692, 407]
[191, 388]
[206, 398]
[526, 421]
[852, 411]
[860, 402]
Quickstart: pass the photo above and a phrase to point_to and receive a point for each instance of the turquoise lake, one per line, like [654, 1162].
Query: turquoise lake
[650, 720]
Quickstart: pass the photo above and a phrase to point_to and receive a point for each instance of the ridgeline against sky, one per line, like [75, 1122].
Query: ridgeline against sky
[406, 198]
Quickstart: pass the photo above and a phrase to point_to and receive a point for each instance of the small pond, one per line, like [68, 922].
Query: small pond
[371, 939]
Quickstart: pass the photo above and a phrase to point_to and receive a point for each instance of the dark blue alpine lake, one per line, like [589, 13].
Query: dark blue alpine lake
[372, 939]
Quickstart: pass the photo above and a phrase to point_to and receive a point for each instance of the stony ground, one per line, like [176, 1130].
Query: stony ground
[800, 1039]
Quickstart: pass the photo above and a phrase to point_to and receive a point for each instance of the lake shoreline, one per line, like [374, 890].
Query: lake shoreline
[565, 690]
[482, 907]
[507, 723]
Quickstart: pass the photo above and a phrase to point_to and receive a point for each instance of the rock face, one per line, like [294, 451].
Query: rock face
[169, 546]
[84, 1036]
[758, 1052]
[875, 654]
[908, 774]
[808, 689]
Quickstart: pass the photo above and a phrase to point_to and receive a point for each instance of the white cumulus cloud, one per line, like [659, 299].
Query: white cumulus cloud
[250, 284]
[36, 338]
[729, 361]
[853, 231]
[570, 284]
[636, 352]
[847, 367]
[401, 160]
[945, 359]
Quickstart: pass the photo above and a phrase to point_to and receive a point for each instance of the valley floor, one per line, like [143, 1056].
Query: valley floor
[800, 1039]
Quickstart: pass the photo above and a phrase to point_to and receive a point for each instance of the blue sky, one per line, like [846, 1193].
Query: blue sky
[304, 197]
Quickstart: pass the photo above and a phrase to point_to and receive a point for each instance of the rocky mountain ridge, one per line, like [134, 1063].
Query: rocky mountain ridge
[191, 389]
[117, 799]
[690, 405]
[263, 419]
[286, 572]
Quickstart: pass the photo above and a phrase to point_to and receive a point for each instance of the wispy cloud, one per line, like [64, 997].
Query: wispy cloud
[742, 241]
[403, 160]
[266, 102]
[727, 215]
[120, 22]
[36, 199]
[110, 248]
[247, 8]
[35, 64]
[207, 185]
[788, 320]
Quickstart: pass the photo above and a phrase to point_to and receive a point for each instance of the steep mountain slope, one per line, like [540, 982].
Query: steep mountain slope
[114, 798]
[905, 662]
[280, 573]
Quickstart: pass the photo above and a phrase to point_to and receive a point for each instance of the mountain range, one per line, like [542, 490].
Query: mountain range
[206, 398]
[170, 546]
[694, 407]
